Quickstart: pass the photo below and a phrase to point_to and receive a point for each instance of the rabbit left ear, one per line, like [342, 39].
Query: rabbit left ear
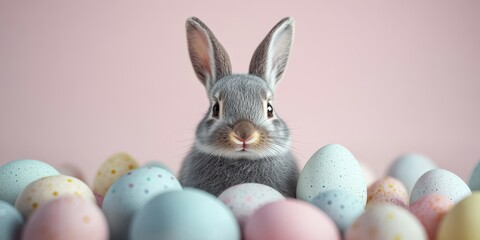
[209, 59]
[271, 56]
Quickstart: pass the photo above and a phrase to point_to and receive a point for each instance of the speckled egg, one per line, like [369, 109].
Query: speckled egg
[332, 167]
[408, 168]
[11, 221]
[245, 198]
[70, 169]
[462, 221]
[131, 192]
[290, 219]
[341, 206]
[157, 164]
[430, 210]
[474, 181]
[190, 214]
[387, 190]
[67, 217]
[16, 175]
[40, 192]
[110, 171]
[386, 221]
[443, 182]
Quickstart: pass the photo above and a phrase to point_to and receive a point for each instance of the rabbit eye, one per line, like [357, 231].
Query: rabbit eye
[215, 110]
[269, 110]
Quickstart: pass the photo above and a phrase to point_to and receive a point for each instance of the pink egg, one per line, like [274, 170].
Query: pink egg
[290, 219]
[67, 217]
[387, 190]
[430, 211]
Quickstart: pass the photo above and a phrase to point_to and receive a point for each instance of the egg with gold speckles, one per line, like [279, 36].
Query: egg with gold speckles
[386, 221]
[387, 190]
[131, 192]
[44, 190]
[67, 217]
[110, 171]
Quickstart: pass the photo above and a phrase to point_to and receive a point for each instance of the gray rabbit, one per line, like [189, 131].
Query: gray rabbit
[241, 138]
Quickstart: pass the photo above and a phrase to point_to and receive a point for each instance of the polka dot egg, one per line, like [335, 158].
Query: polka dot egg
[387, 190]
[16, 175]
[332, 167]
[67, 217]
[430, 210]
[341, 206]
[110, 171]
[131, 192]
[443, 182]
[46, 189]
[244, 199]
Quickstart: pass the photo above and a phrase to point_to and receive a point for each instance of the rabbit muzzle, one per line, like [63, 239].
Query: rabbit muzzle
[244, 134]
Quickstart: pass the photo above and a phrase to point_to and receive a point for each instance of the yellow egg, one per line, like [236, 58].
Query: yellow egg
[463, 221]
[110, 171]
[387, 190]
[42, 191]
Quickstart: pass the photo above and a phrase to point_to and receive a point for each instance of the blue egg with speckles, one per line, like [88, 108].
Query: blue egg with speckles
[341, 206]
[474, 182]
[188, 215]
[11, 221]
[131, 192]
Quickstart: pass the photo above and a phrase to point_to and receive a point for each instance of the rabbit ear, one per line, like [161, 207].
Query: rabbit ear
[209, 59]
[270, 58]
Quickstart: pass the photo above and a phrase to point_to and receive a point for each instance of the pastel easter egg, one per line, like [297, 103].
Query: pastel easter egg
[386, 221]
[462, 221]
[190, 214]
[387, 190]
[341, 206]
[131, 192]
[16, 175]
[290, 219]
[245, 198]
[11, 221]
[443, 182]
[157, 164]
[474, 181]
[332, 167]
[430, 210]
[408, 168]
[370, 175]
[110, 171]
[67, 217]
[70, 169]
[42, 191]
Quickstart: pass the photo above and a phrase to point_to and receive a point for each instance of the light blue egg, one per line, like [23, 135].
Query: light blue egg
[188, 215]
[474, 182]
[131, 192]
[341, 206]
[16, 175]
[408, 168]
[11, 221]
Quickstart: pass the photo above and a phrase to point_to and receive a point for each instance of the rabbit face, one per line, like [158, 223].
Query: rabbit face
[241, 121]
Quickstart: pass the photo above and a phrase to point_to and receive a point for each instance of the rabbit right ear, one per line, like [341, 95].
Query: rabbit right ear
[209, 59]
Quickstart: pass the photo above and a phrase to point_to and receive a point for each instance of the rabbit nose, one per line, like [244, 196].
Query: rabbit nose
[245, 132]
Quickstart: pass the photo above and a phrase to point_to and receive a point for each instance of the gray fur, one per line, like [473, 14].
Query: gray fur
[214, 163]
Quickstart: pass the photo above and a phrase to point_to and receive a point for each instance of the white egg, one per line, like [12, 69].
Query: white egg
[332, 167]
[442, 182]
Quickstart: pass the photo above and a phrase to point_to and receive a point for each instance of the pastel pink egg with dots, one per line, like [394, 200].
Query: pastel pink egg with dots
[430, 210]
[290, 219]
[67, 217]
[387, 190]
[243, 199]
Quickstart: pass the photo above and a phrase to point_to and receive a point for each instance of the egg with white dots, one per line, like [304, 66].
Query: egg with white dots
[332, 167]
[44, 190]
[442, 182]
[131, 192]
[16, 175]
[243, 199]
[341, 206]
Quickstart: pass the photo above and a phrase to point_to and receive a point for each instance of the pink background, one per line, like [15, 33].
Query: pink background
[81, 80]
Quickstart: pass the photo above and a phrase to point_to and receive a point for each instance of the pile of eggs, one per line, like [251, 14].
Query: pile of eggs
[337, 198]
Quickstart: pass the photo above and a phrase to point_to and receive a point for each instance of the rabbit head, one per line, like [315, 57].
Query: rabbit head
[241, 121]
